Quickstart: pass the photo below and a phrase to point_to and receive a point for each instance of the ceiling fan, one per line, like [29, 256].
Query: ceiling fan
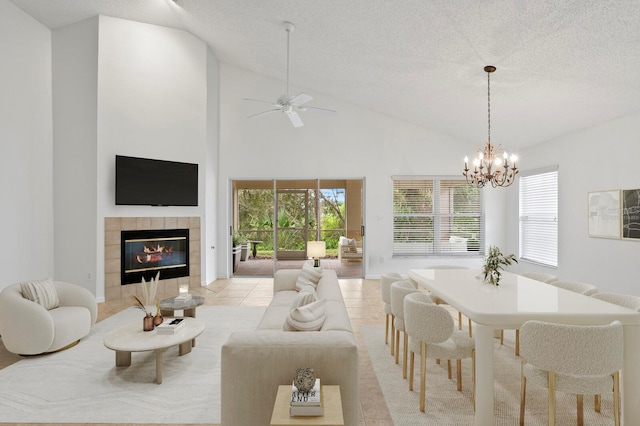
[287, 104]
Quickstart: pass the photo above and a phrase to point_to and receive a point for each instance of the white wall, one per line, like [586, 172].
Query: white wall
[210, 230]
[596, 159]
[26, 165]
[147, 97]
[357, 143]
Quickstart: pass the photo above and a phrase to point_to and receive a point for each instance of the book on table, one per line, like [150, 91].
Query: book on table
[306, 403]
[170, 326]
[306, 398]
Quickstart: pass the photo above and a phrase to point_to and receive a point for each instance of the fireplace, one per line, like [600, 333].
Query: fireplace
[144, 253]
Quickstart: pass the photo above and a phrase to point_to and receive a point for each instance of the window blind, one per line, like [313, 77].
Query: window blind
[539, 217]
[436, 216]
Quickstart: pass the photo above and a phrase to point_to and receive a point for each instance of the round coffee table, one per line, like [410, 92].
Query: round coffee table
[130, 338]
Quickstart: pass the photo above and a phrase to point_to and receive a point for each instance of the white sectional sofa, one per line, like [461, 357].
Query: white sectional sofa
[254, 363]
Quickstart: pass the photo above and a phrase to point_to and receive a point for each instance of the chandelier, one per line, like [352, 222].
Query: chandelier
[492, 164]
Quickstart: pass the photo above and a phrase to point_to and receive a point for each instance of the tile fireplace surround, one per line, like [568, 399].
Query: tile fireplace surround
[113, 226]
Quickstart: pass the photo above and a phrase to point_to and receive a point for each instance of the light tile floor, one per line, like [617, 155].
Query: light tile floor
[363, 302]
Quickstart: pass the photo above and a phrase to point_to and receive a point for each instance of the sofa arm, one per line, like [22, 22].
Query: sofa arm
[254, 364]
[285, 279]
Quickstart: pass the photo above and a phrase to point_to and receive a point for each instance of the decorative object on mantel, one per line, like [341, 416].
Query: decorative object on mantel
[149, 290]
[489, 166]
[493, 264]
[305, 379]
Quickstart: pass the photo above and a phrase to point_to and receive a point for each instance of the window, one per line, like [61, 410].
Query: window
[539, 217]
[436, 216]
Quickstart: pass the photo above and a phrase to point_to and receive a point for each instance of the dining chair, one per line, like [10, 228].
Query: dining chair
[624, 300]
[538, 276]
[574, 359]
[439, 301]
[399, 290]
[432, 334]
[576, 287]
[385, 291]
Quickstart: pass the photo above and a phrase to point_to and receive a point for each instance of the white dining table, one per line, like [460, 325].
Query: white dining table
[516, 300]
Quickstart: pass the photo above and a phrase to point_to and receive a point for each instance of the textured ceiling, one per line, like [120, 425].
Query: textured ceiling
[561, 65]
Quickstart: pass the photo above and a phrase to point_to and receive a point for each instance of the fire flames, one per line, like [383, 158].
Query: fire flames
[154, 253]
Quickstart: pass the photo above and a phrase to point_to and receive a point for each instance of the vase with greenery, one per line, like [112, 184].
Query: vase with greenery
[493, 264]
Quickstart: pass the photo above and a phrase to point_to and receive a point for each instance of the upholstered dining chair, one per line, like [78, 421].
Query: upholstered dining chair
[399, 290]
[576, 287]
[538, 276]
[385, 291]
[439, 301]
[432, 334]
[624, 300]
[573, 359]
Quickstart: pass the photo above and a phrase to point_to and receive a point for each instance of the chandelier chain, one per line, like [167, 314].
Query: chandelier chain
[489, 106]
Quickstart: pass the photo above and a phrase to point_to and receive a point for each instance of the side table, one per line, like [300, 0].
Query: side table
[188, 307]
[332, 409]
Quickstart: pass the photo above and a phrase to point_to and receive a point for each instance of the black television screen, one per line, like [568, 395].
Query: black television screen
[147, 182]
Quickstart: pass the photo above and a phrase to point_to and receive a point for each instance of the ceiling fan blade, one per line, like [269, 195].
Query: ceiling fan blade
[258, 100]
[300, 99]
[295, 119]
[264, 112]
[318, 110]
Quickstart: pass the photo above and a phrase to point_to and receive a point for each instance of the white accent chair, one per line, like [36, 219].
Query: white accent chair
[432, 334]
[27, 328]
[399, 290]
[572, 359]
[624, 300]
[439, 301]
[385, 291]
[576, 287]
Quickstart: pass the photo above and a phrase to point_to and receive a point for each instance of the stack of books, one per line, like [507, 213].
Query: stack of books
[170, 326]
[306, 403]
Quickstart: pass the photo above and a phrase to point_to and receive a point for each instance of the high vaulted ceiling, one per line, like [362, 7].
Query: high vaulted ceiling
[561, 65]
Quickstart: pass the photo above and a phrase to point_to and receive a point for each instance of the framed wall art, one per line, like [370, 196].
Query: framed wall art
[631, 214]
[604, 214]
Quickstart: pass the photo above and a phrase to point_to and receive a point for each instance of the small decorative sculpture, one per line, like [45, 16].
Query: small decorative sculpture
[305, 379]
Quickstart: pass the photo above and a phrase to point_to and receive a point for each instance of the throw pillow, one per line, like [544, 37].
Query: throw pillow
[306, 296]
[306, 318]
[42, 292]
[351, 242]
[308, 276]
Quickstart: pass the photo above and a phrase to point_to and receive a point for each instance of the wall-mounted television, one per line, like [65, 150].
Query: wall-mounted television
[148, 182]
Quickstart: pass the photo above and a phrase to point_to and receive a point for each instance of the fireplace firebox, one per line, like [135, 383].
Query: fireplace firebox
[145, 253]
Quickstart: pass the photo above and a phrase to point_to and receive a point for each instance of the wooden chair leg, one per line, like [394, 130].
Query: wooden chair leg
[597, 403]
[393, 336]
[449, 369]
[580, 409]
[616, 397]
[517, 342]
[459, 374]
[404, 354]
[397, 350]
[501, 337]
[523, 394]
[552, 398]
[411, 362]
[470, 329]
[473, 377]
[386, 330]
[459, 320]
[423, 373]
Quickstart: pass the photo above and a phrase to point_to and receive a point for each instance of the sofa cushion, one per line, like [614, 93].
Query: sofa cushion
[306, 318]
[308, 276]
[42, 292]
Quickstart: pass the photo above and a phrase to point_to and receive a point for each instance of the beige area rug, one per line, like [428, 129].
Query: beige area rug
[82, 384]
[446, 406]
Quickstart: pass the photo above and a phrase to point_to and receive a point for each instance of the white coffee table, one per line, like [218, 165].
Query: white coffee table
[131, 338]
